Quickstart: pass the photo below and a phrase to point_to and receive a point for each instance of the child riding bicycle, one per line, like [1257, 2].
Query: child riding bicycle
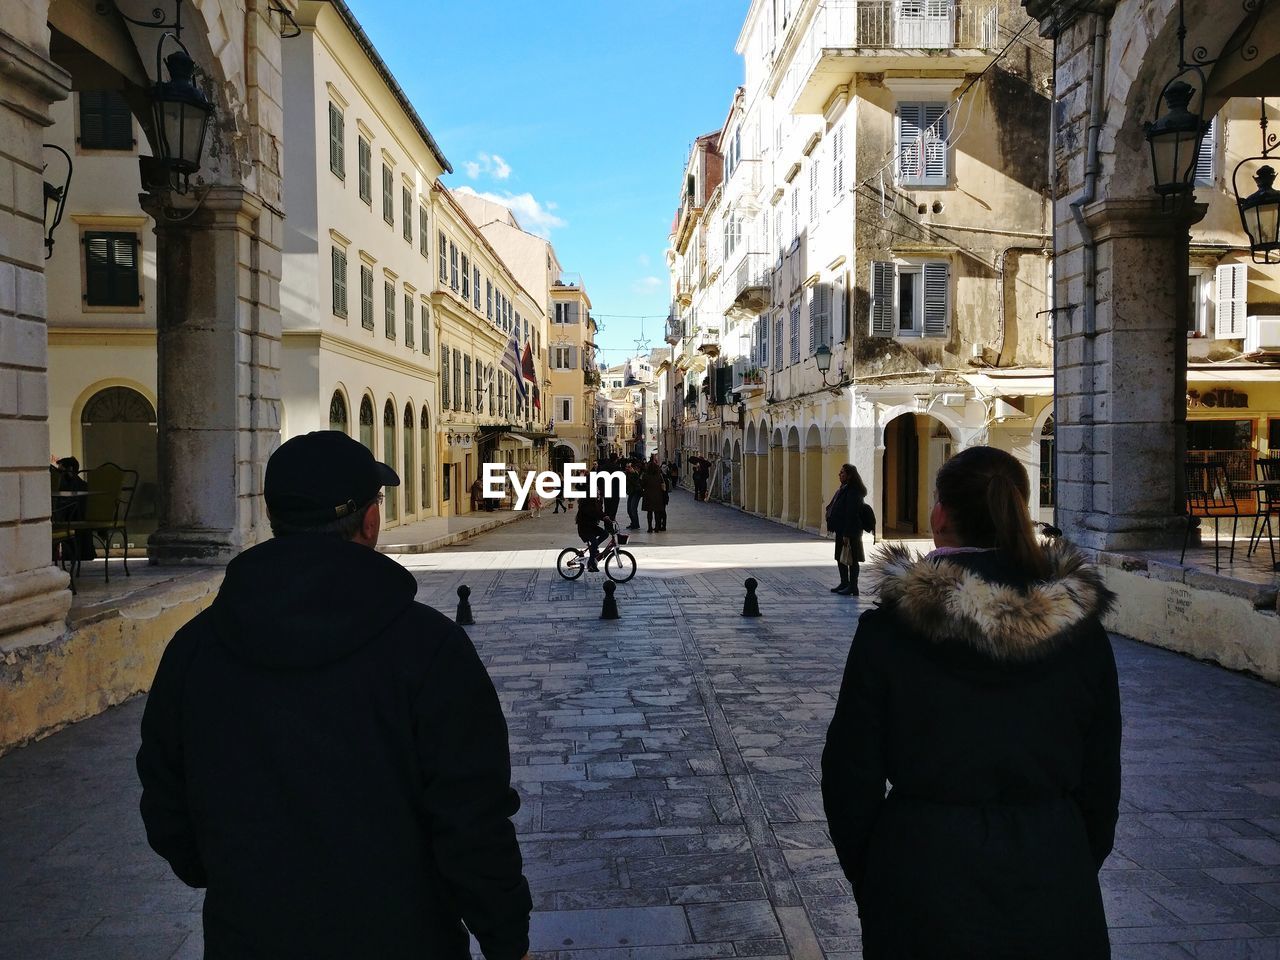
[593, 527]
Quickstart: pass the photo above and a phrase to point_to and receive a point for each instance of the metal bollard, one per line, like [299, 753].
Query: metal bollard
[751, 605]
[464, 618]
[610, 610]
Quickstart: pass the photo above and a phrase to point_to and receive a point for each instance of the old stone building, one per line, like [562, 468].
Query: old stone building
[876, 200]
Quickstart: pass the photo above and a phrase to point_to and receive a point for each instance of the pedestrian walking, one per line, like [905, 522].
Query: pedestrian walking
[701, 473]
[327, 756]
[653, 494]
[634, 484]
[673, 474]
[560, 506]
[847, 518]
[985, 686]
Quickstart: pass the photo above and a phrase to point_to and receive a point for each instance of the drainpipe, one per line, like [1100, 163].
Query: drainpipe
[1090, 246]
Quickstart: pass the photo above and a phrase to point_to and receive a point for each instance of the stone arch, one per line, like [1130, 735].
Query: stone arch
[426, 450]
[408, 451]
[366, 420]
[838, 437]
[117, 424]
[78, 405]
[811, 476]
[390, 446]
[750, 443]
[339, 406]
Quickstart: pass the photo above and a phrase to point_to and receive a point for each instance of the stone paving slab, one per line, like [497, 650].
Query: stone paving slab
[668, 765]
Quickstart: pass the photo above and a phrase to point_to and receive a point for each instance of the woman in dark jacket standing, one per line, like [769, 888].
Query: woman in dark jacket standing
[983, 688]
[844, 519]
[653, 496]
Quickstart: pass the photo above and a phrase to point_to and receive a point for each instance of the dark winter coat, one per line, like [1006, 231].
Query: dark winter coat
[589, 517]
[990, 704]
[653, 490]
[845, 518]
[329, 758]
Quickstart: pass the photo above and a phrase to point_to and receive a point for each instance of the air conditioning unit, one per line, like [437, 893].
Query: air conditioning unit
[1261, 333]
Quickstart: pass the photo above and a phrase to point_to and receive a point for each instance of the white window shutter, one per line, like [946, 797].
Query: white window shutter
[909, 129]
[1208, 152]
[839, 319]
[882, 275]
[935, 299]
[935, 143]
[813, 189]
[1232, 304]
[837, 161]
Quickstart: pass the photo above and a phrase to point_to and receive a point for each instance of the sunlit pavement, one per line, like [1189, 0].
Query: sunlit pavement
[668, 763]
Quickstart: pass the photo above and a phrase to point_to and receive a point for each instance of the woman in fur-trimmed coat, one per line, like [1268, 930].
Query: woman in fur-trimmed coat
[983, 689]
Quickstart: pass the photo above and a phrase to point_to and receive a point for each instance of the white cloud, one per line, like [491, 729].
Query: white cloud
[538, 218]
[646, 285]
[489, 165]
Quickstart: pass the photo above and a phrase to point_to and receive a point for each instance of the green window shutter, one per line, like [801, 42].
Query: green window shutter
[882, 277]
[366, 297]
[339, 282]
[408, 320]
[337, 158]
[105, 121]
[389, 309]
[936, 314]
[111, 270]
[365, 161]
[406, 214]
[388, 200]
[424, 235]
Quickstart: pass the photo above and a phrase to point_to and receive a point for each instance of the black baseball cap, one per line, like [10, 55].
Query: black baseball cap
[322, 476]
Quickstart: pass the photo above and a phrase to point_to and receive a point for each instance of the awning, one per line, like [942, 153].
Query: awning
[1026, 382]
[1234, 374]
[514, 441]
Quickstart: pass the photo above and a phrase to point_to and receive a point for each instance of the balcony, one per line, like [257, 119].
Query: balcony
[749, 286]
[684, 288]
[847, 37]
[686, 219]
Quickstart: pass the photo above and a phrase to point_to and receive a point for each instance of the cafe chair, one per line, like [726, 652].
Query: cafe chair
[1210, 495]
[106, 509]
[63, 537]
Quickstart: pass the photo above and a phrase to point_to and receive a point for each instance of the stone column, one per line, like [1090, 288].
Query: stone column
[34, 594]
[1122, 381]
[218, 356]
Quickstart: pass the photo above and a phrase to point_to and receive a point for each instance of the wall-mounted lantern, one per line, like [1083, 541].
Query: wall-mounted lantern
[1260, 211]
[55, 200]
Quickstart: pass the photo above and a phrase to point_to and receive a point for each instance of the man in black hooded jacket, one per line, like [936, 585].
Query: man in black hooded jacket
[327, 756]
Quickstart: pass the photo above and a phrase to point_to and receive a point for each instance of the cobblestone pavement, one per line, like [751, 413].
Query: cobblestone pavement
[668, 763]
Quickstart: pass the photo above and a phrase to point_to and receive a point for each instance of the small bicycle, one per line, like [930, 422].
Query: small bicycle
[619, 565]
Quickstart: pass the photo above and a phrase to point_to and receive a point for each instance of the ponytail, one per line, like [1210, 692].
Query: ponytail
[985, 491]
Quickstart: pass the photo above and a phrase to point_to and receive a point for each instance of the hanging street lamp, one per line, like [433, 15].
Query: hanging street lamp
[1260, 211]
[55, 201]
[180, 111]
[822, 357]
[1175, 139]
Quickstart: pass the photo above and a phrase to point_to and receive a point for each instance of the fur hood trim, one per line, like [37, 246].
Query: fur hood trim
[947, 602]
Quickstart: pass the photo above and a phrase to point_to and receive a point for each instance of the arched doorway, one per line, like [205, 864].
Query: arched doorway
[915, 447]
[561, 454]
[338, 419]
[736, 492]
[118, 425]
[777, 478]
[1047, 485]
[407, 478]
[366, 422]
[389, 511]
[811, 508]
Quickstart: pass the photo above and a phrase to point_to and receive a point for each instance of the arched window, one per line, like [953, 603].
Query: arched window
[389, 457]
[118, 425]
[406, 448]
[366, 422]
[425, 440]
[338, 412]
[1046, 463]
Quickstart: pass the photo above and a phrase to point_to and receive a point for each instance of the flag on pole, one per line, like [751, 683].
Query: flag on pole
[537, 398]
[511, 364]
[526, 364]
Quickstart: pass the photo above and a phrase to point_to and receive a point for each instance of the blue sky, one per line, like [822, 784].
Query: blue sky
[584, 111]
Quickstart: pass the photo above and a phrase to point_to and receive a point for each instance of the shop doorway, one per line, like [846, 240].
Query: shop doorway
[915, 447]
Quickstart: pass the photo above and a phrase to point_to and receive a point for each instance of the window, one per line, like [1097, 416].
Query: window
[453, 265]
[795, 212]
[406, 214]
[1046, 464]
[388, 196]
[564, 409]
[366, 422]
[337, 154]
[408, 320]
[763, 359]
[819, 317]
[444, 257]
[425, 441]
[366, 296]
[795, 332]
[1231, 305]
[922, 144]
[424, 235]
[813, 189]
[444, 378]
[837, 161]
[105, 121]
[424, 321]
[339, 261]
[389, 308]
[488, 299]
[365, 161]
[1219, 434]
[777, 340]
[475, 286]
[338, 412]
[457, 379]
[493, 400]
[466, 277]
[111, 270]
[466, 382]
[1206, 159]
[406, 449]
[389, 457]
[910, 300]
[563, 357]
[1200, 308]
